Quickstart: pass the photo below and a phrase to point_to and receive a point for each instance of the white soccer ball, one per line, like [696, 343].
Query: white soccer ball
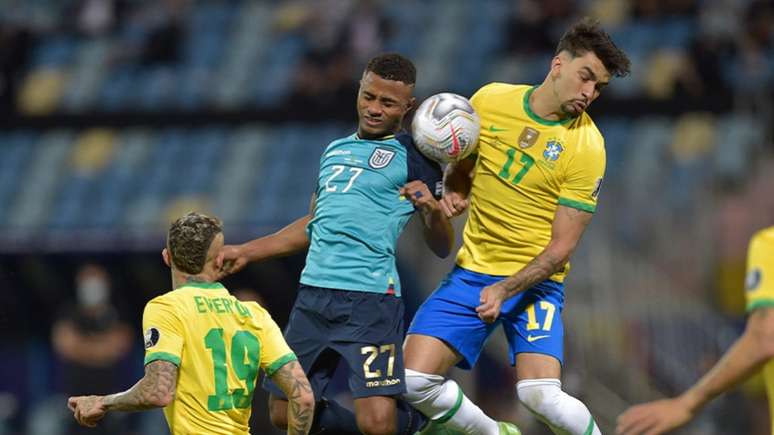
[445, 127]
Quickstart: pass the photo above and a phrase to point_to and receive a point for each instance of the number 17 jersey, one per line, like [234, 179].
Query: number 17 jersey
[218, 344]
[526, 167]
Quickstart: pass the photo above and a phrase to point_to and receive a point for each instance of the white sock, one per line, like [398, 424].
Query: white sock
[564, 414]
[442, 401]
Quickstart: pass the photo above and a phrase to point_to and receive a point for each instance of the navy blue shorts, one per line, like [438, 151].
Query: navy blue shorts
[365, 329]
[531, 320]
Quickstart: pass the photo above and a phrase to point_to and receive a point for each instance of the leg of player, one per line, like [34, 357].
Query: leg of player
[330, 418]
[428, 359]
[540, 390]
[376, 415]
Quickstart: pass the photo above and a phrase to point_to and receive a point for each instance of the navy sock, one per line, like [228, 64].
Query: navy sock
[409, 419]
[330, 418]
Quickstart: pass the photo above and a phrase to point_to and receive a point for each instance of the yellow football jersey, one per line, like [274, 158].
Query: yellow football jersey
[526, 167]
[760, 292]
[218, 344]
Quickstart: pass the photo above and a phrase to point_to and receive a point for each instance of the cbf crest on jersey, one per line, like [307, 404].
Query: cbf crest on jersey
[380, 158]
[553, 150]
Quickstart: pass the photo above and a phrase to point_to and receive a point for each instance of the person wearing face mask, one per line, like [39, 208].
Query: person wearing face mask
[90, 339]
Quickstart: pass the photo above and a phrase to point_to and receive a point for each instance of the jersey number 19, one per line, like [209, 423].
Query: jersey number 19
[243, 344]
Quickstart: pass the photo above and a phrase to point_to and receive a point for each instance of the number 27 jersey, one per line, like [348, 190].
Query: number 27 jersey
[218, 344]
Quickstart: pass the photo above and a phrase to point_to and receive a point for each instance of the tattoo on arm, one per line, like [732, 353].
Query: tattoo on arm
[536, 271]
[291, 379]
[155, 390]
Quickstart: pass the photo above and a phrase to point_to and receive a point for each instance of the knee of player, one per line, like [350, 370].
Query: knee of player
[278, 413]
[539, 395]
[422, 386]
[377, 423]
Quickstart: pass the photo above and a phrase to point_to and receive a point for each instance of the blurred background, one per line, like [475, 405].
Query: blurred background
[120, 115]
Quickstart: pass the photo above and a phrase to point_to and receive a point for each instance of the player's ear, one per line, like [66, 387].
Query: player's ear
[165, 256]
[556, 64]
[412, 102]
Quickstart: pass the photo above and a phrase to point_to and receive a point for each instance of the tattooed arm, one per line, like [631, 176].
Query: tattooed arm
[566, 231]
[155, 390]
[291, 379]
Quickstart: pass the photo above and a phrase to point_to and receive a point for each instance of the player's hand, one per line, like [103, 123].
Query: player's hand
[654, 418]
[87, 410]
[492, 298]
[230, 260]
[453, 204]
[417, 192]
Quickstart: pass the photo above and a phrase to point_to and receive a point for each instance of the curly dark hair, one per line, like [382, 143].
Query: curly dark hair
[586, 35]
[189, 239]
[393, 66]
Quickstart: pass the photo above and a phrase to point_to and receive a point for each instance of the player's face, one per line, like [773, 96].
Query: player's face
[577, 81]
[381, 105]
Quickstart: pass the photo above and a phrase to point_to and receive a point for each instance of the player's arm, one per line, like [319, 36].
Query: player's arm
[566, 231]
[437, 230]
[457, 181]
[155, 390]
[745, 357]
[290, 378]
[287, 241]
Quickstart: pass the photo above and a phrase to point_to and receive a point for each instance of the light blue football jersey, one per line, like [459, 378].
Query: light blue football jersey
[360, 213]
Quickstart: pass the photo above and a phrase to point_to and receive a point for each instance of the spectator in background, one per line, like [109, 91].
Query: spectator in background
[16, 42]
[91, 340]
[165, 33]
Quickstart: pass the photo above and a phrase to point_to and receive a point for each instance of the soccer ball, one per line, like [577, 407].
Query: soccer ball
[445, 127]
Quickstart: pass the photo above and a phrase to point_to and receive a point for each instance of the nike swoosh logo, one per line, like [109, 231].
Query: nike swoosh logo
[494, 129]
[530, 338]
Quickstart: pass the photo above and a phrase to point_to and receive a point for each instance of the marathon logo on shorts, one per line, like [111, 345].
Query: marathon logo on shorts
[383, 383]
[152, 336]
[380, 158]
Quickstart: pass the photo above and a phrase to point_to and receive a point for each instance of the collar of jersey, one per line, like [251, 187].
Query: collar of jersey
[534, 115]
[203, 285]
[390, 136]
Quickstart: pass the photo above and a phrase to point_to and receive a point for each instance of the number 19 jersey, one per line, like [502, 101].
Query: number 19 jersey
[218, 344]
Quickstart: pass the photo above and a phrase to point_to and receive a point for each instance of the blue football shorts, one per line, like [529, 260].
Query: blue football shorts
[531, 320]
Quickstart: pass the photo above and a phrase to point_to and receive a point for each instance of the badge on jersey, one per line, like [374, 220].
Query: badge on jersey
[152, 336]
[553, 150]
[528, 137]
[380, 158]
[753, 279]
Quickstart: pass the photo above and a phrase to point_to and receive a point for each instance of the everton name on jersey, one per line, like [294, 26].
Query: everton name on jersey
[360, 213]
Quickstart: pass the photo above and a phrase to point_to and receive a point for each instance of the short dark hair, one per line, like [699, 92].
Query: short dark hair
[189, 239]
[393, 66]
[586, 35]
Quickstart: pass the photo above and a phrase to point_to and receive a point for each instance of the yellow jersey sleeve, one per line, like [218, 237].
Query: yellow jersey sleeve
[584, 175]
[163, 331]
[275, 351]
[759, 281]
